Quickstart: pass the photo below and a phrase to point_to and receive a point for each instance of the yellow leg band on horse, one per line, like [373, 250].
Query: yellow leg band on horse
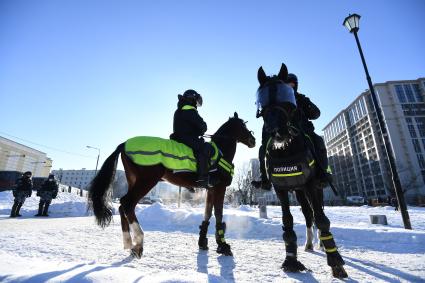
[326, 238]
[331, 250]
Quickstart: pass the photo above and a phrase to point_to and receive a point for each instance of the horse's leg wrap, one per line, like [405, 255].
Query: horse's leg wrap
[222, 246]
[323, 223]
[333, 256]
[203, 240]
[291, 264]
[290, 239]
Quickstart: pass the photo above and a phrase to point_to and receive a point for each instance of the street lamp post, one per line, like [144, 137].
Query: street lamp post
[98, 154]
[352, 24]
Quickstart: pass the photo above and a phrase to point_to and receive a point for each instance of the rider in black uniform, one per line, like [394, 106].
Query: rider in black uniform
[188, 128]
[306, 111]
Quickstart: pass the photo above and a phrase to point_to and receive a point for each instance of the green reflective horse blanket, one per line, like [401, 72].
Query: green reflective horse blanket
[148, 151]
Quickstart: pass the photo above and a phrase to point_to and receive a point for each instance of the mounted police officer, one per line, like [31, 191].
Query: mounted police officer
[21, 192]
[47, 192]
[188, 128]
[307, 111]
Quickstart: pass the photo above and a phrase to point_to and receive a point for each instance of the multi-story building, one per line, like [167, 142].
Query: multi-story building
[356, 150]
[254, 174]
[18, 157]
[80, 178]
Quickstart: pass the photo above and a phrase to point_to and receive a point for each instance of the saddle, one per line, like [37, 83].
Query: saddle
[148, 151]
[290, 172]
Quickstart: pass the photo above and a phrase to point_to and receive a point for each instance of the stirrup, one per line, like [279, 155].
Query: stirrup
[204, 183]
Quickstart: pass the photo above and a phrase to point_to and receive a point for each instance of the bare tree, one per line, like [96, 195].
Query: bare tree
[242, 189]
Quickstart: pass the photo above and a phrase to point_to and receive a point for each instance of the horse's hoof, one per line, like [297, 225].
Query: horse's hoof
[137, 252]
[339, 272]
[291, 264]
[224, 249]
[203, 243]
[309, 248]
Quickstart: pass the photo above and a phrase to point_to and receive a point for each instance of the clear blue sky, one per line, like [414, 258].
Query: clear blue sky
[77, 73]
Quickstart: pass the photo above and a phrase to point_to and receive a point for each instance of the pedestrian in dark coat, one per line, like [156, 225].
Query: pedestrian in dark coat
[188, 128]
[22, 190]
[47, 192]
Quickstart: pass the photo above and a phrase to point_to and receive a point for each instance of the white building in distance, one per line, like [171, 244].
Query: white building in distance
[18, 157]
[356, 150]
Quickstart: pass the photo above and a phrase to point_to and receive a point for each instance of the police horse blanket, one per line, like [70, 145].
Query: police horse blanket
[148, 160]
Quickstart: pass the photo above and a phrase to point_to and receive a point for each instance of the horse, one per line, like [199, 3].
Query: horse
[141, 179]
[292, 166]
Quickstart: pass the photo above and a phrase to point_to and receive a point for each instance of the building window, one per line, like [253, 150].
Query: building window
[420, 123]
[409, 93]
[400, 93]
[417, 92]
[421, 161]
[412, 131]
[416, 145]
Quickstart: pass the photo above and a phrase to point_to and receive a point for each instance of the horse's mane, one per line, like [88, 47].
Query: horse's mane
[224, 129]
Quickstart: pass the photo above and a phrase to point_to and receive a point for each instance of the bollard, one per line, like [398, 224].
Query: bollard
[378, 219]
[262, 205]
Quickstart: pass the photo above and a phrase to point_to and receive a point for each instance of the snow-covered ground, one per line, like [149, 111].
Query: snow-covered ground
[69, 247]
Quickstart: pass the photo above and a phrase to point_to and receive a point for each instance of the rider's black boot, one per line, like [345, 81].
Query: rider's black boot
[203, 178]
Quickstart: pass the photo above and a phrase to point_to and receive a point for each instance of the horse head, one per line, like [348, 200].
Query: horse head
[235, 128]
[276, 103]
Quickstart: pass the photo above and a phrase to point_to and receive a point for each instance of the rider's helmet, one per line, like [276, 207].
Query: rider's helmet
[192, 97]
[292, 78]
[51, 177]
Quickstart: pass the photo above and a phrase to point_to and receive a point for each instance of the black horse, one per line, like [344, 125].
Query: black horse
[291, 166]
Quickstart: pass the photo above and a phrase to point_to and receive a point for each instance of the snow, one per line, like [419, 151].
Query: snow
[69, 247]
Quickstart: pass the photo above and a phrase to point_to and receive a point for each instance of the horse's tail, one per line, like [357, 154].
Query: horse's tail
[98, 198]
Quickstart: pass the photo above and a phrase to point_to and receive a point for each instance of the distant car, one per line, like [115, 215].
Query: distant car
[355, 200]
[145, 201]
[156, 200]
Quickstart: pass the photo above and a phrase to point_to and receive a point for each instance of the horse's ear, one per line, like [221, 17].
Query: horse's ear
[283, 73]
[262, 77]
[235, 115]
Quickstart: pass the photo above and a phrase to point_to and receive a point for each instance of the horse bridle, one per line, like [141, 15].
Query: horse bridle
[293, 131]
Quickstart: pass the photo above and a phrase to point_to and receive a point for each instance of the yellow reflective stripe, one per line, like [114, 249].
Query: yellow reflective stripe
[329, 170]
[330, 250]
[221, 232]
[225, 167]
[215, 149]
[288, 175]
[312, 163]
[223, 240]
[188, 107]
[226, 163]
[326, 238]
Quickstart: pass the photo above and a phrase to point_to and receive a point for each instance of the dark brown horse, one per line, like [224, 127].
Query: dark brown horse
[141, 179]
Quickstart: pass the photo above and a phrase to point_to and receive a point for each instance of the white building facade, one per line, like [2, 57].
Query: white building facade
[356, 150]
[18, 157]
